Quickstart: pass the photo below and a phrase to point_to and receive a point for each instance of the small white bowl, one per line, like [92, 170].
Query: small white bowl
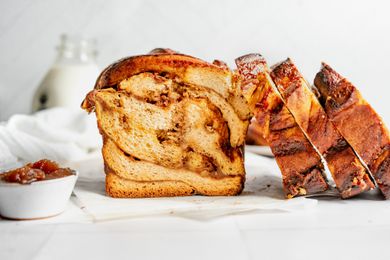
[40, 199]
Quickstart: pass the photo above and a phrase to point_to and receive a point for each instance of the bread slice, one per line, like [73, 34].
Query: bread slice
[350, 176]
[172, 125]
[299, 162]
[357, 122]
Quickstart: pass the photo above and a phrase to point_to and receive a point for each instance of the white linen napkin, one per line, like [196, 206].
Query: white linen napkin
[59, 134]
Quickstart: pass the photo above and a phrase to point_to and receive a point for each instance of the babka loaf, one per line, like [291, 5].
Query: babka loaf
[299, 163]
[172, 125]
[357, 122]
[350, 176]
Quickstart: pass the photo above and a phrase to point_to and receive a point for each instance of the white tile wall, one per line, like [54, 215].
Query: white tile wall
[353, 36]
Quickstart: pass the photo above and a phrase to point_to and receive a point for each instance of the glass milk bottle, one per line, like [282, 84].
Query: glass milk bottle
[72, 75]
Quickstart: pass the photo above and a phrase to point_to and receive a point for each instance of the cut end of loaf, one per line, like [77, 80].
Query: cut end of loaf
[172, 125]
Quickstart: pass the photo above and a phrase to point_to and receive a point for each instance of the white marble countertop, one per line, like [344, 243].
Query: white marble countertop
[358, 228]
[353, 229]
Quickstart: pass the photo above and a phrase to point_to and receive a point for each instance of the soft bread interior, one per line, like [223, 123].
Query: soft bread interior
[151, 87]
[167, 134]
[196, 178]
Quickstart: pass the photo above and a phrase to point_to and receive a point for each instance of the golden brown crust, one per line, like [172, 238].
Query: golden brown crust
[357, 122]
[159, 60]
[171, 64]
[349, 174]
[298, 161]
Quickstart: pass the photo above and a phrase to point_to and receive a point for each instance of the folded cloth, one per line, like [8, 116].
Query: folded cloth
[59, 134]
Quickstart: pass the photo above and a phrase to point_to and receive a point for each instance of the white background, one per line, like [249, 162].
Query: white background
[352, 36]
